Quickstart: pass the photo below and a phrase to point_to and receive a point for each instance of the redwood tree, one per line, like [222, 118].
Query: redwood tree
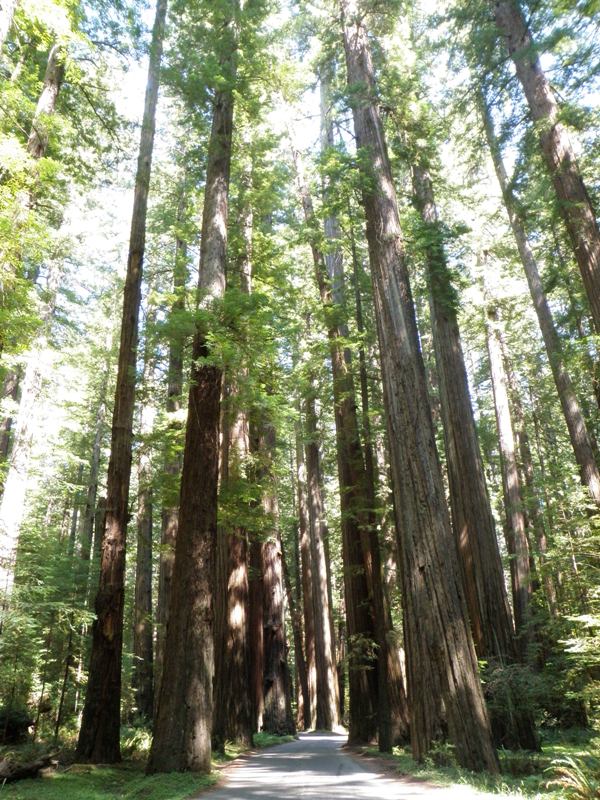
[99, 734]
[439, 642]
[183, 724]
[574, 201]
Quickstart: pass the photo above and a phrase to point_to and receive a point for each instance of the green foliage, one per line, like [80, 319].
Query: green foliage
[263, 739]
[127, 782]
[580, 778]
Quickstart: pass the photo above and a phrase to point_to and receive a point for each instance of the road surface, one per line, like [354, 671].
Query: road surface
[316, 768]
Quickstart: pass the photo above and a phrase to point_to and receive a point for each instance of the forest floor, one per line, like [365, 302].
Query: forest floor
[314, 766]
[125, 781]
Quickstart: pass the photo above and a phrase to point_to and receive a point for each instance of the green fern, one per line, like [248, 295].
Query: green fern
[580, 778]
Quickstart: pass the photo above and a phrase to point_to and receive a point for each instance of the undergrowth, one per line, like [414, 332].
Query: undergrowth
[567, 768]
[126, 781]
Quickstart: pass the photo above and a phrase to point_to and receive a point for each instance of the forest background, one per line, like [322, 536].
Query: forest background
[319, 470]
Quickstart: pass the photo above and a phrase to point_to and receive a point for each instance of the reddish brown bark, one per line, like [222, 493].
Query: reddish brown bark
[309, 582]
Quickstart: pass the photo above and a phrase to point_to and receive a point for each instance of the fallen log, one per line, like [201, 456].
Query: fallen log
[13, 771]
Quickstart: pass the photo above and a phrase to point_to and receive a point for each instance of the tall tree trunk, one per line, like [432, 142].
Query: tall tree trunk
[301, 667]
[99, 734]
[276, 676]
[327, 684]
[26, 385]
[256, 631]
[232, 714]
[357, 522]
[578, 432]
[11, 384]
[472, 518]
[182, 737]
[86, 532]
[173, 458]
[142, 676]
[37, 141]
[439, 645]
[332, 288]
[399, 716]
[308, 602]
[574, 202]
[516, 535]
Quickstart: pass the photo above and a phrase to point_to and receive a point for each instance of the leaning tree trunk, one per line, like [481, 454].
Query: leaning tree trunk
[100, 726]
[516, 535]
[182, 734]
[578, 432]
[435, 614]
[37, 141]
[574, 202]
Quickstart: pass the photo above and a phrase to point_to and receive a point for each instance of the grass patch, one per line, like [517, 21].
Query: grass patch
[126, 781]
[123, 782]
[263, 739]
[523, 774]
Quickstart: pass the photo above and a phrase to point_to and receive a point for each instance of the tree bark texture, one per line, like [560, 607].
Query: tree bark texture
[99, 734]
[574, 202]
[232, 716]
[473, 521]
[357, 528]
[309, 605]
[399, 713]
[303, 691]
[276, 676]
[142, 676]
[182, 738]
[327, 684]
[578, 433]
[439, 642]
[173, 458]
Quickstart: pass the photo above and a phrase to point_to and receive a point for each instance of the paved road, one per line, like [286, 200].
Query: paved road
[316, 768]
